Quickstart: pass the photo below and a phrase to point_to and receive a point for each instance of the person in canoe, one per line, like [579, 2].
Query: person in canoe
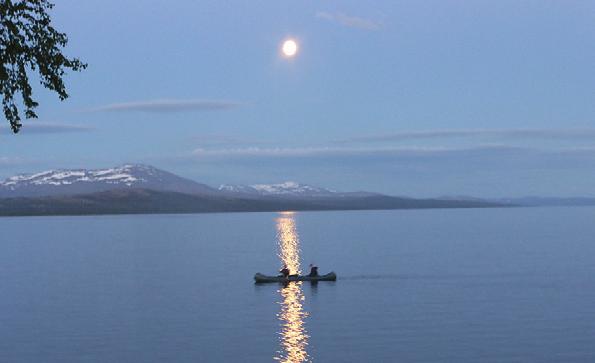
[285, 271]
[313, 270]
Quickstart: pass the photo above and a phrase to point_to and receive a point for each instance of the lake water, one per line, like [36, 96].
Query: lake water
[489, 285]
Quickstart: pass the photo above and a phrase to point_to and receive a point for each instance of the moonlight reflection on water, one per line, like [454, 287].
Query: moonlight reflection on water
[293, 334]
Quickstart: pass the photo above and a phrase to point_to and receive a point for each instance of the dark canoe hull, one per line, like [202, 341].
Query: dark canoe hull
[260, 278]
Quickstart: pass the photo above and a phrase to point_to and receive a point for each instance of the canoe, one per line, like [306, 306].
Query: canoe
[331, 276]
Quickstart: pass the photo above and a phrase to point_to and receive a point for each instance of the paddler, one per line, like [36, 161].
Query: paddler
[285, 271]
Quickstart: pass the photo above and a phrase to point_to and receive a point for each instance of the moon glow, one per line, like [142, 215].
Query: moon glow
[289, 48]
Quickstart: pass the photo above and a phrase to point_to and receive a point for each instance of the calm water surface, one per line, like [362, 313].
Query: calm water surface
[490, 285]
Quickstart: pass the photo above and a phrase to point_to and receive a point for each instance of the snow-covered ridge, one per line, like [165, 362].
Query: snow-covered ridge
[128, 175]
[65, 182]
[285, 188]
[85, 181]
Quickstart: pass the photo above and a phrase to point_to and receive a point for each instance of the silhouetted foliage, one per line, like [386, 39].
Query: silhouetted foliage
[28, 42]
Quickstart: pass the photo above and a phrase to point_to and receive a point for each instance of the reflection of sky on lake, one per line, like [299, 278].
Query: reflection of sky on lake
[294, 337]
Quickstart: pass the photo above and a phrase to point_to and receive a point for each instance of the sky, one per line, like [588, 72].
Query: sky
[415, 98]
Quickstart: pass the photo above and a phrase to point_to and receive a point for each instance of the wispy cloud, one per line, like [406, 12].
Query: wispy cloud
[548, 134]
[164, 106]
[8, 160]
[448, 159]
[482, 169]
[34, 127]
[324, 151]
[218, 140]
[349, 21]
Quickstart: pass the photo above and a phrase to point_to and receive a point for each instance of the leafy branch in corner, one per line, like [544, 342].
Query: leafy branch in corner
[29, 42]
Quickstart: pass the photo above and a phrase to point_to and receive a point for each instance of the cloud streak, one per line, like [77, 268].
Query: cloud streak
[8, 160]
[543, 134]
[217, 140]
[325, 151]
[349, 21]
[33, 127]
[12, 162]
[168, 106]
[447, 159]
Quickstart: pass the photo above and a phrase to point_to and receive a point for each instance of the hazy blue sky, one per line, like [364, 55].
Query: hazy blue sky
[421, 98]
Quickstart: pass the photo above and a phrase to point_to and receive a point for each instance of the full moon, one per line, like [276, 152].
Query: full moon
[289, 48]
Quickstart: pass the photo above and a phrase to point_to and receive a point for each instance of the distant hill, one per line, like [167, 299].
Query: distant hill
[548, 201]
[532, 201]
[144, 201]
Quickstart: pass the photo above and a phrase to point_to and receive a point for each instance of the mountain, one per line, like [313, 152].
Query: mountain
[83, 181]
[288, 189]
[136, 188]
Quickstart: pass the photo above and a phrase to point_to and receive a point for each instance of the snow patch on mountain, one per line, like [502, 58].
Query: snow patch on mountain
[126, 175]
[288, 188]
[84, 181]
